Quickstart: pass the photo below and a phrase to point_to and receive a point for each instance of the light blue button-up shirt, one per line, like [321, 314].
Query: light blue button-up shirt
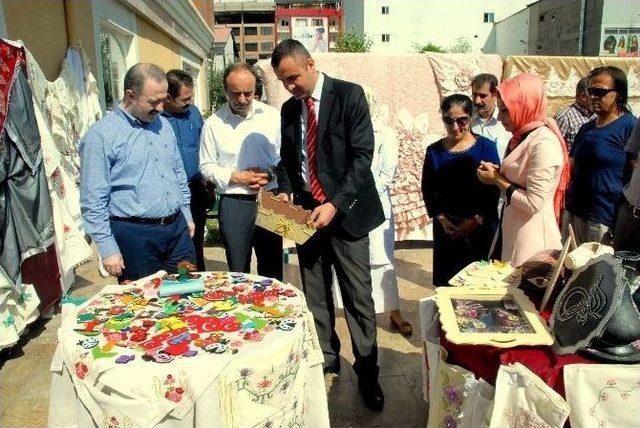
[129, 168]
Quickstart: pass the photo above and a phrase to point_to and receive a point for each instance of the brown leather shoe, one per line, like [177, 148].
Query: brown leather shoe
[405, 328]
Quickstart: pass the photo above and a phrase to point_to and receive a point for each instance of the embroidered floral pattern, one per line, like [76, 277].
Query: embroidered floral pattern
[264, 386]
[111, 421]
[81, 370]
[171, 388]
[523, 418]
[612, 394]
[9, 320]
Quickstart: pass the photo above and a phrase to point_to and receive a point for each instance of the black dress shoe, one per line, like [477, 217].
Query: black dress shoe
[372, 394]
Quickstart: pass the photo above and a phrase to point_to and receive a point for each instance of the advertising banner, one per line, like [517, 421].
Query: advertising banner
[620, 41]
[311, 32]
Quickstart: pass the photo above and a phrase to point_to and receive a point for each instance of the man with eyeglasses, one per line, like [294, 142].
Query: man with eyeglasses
[134, 195]
[571, 118]
[485, 116]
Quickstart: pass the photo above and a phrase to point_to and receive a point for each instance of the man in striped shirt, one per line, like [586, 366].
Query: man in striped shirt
[571, 118]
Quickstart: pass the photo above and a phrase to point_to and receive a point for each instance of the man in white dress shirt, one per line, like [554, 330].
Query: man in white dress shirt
[485, 118]
[239, 149]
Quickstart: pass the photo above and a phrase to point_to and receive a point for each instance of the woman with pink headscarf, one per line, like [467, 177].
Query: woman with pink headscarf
[534, 173]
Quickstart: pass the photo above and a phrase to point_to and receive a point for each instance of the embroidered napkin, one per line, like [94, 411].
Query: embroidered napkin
[603, 395]
[523, 400]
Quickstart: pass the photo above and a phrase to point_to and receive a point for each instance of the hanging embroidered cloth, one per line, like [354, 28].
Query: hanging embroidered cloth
[26, 225]
[65, 109]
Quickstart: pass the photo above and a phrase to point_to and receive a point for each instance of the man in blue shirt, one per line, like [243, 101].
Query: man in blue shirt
[186, 121]
[133, 191]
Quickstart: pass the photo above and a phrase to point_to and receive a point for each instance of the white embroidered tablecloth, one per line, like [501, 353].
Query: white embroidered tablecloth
[243, 353]
[603, 395]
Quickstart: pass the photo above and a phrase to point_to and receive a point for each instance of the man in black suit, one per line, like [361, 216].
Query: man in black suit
[326, 150]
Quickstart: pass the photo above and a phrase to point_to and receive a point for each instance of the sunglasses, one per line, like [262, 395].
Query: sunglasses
[599, 92]
[461, 121]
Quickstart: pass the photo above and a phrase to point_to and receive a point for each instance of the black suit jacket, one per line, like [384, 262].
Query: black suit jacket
[344, 150]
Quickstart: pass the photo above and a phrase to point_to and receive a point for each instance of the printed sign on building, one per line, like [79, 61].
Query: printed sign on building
[620, 41]
[312, 32]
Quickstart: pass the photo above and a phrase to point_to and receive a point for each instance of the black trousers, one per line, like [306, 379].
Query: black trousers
[237, 214]
[201, 201]
[350, 257]
[626, 235]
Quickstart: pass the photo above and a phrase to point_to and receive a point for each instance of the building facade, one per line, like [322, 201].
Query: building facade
[258, 25]
[224, 52]
[251, 24]
[316, 24]
[115, 35]
[571, 27]
[510, 36]
[397, 27]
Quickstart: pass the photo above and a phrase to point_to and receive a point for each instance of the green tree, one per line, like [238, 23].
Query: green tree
[352, 41]
[216, 88]
[462, 45]
[430, 47]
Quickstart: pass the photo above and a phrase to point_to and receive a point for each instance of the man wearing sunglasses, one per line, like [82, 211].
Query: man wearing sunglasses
[571, 118]
[598, 158]
[485, 118]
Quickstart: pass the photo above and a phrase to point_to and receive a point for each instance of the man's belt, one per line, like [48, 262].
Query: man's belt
[240, 196]
[142, 220]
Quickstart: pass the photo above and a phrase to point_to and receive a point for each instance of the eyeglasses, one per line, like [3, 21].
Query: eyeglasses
[599, 92]
[461, 121]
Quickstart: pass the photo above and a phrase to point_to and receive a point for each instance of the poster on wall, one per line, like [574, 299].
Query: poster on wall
[311, 32]
[620, 41]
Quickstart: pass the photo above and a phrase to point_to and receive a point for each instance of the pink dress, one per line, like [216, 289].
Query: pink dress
[529, 223]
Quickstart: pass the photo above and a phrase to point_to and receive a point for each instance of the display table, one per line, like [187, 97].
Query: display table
[242, 353]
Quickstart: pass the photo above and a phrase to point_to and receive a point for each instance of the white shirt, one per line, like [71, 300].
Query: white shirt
[317, 93]
[493, 130]
[233, 143]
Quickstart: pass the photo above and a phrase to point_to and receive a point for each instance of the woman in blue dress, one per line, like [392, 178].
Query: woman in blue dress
[464, 211]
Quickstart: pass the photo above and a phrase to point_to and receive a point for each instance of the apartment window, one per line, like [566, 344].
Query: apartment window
[251, 47]
[385, 10]
[113, 52]
[250, 31]
[385, 38]
[488, 17]
[266, 31]
[266, 46]
[317, 22]
[235, 31]
[284, 22]
[301, 22]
